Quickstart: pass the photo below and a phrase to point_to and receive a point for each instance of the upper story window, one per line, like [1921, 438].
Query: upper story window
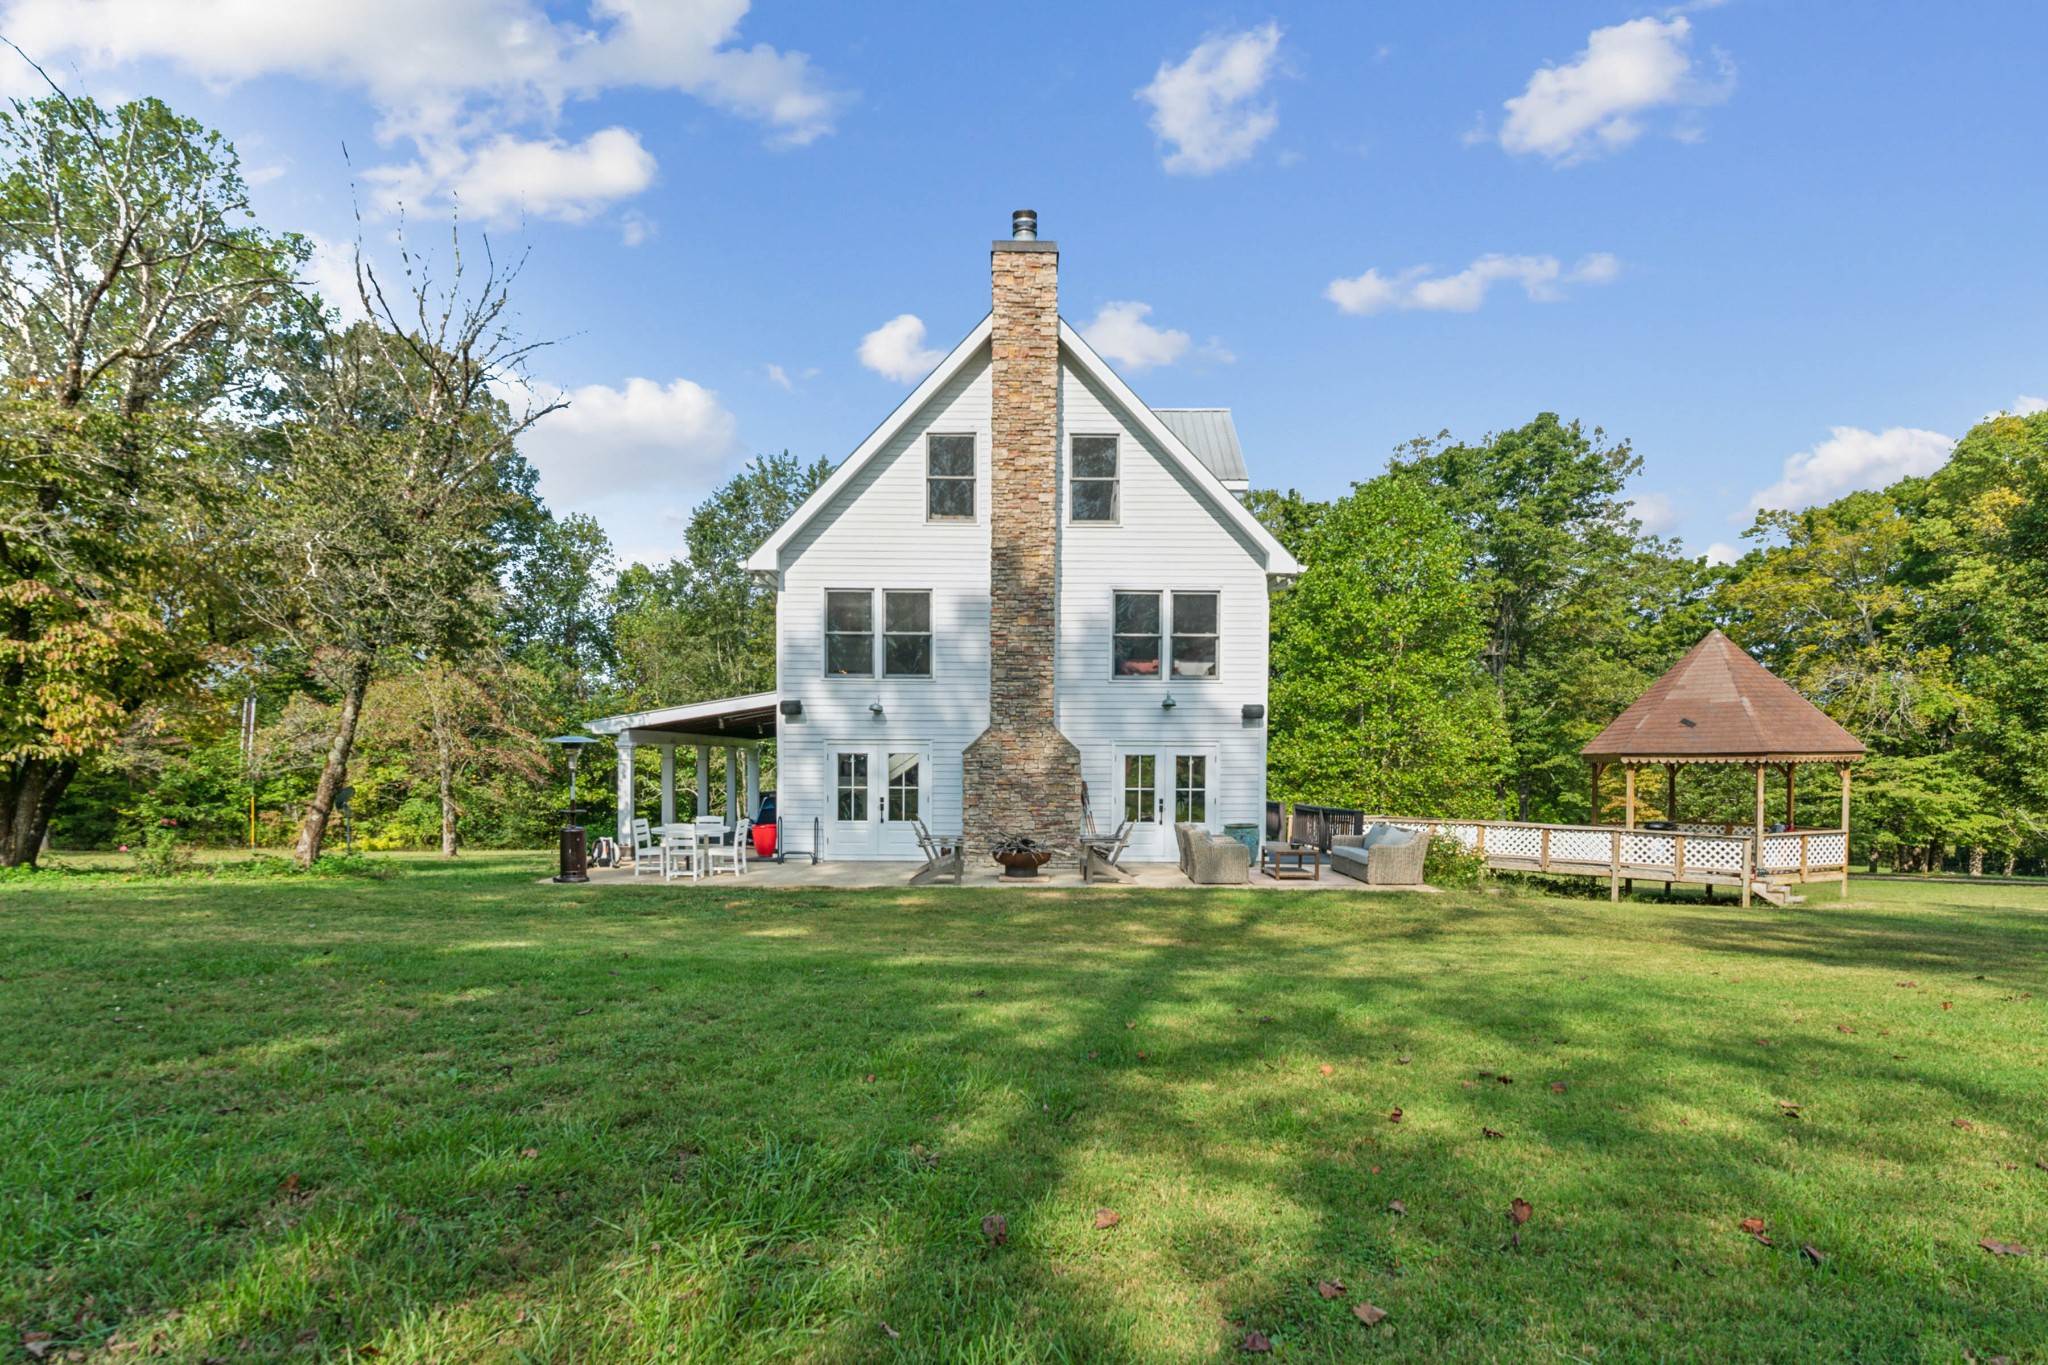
[1135, 646]
[949, 478]
[850, 634]
[1094, 479]
[851, 640]
[907, 634]
[1138, 634]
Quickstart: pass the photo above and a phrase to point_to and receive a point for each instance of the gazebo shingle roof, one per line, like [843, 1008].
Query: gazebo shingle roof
[1719, 705]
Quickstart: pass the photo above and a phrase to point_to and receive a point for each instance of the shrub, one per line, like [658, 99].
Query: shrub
[163, 853]
[1450, 863]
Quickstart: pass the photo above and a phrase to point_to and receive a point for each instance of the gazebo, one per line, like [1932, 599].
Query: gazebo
[1719, 705]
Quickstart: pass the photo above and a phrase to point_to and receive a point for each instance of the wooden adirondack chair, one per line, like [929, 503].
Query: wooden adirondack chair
[1102, 854]
[945, 858]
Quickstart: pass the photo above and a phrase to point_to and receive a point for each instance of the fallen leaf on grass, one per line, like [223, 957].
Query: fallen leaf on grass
[37, 1344]
[977, 993]
[1843, 1028]
[580, 1013]
[868, 1079]
[1397, 1207]
[1492, 1133]
[1369, 1314]
[1948, 1004]
[1330, 1289]
[996, 1229]
[1256, 1342]
[1998, 1248]
[1505, 1079]
[1329, 1070]
[1961, 1123]
[1909, 985]
[892, 1332]
[529, 1153]
[1107, 1218]
[1402, 1061]
[1558, 1086]
[1519, 1209]
[1752, 1226]
[1811, 1254]
[1130, 1023]
[1394, 1115]
[1763, 1042]
[1469, 1085]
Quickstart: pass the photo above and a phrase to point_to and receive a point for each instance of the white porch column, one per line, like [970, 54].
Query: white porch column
[668, 784]
[753, 781]
[735, 800]
[703, 781]
[624, 747]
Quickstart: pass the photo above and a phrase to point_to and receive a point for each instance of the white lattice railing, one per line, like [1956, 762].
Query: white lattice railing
[1688, 853]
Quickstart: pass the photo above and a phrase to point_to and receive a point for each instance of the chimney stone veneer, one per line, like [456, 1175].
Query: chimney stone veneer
[1021, 775]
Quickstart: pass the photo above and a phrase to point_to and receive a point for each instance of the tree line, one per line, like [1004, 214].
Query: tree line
[253, 557]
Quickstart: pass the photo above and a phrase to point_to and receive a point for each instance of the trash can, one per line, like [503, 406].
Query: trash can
[764, 841]
[1248, 835]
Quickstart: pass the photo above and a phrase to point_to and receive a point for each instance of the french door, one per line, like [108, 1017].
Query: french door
[872, 794]
[1159, 788]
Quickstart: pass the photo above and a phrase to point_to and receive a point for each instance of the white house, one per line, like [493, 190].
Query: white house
[1024, 584]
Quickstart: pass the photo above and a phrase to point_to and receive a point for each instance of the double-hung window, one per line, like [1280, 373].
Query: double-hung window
[1135, 644]
[907, 634]
[949, 478]
[851, 640]
[850, 634]
[1140, 642]
[1094, 479]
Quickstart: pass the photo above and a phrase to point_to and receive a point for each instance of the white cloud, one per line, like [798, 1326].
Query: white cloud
[459, 77]
[1124, 338]
[1852, 458]
[642, 440]
[1595, 102]
[1721, 552]
[779, 377]
[2027, 403]
[332, 273]
[1542, 278]
[1656, 512]
[896, 349]
[507, 176]
[1204, 107]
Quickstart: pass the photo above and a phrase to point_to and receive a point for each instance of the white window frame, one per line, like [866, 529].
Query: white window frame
[931, 635]
[878, 637]
[1115, 481]
[826, 633]
[972, 479]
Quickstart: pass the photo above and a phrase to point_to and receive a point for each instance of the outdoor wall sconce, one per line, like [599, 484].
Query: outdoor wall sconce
[792, 709]
[875, 708]
[1169, 703]
[1254, 710]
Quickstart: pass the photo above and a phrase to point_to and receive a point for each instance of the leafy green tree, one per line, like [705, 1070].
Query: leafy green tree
[136, 290]
[703, 626]
[1379, 697]
[1582, 610]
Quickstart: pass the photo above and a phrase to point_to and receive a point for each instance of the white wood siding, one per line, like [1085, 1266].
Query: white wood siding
[876, 536]
[1167, 537]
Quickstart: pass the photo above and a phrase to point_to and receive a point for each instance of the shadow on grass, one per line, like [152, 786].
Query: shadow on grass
[763, 1125]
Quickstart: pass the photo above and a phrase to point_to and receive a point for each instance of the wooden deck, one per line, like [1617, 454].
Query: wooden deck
[1717, 855]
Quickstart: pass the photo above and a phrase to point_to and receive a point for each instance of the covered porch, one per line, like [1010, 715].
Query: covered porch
[734, 728]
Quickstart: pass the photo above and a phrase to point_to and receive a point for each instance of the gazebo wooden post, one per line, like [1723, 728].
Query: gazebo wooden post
[1593, 812]
[1671, 814]
[1844, 768]
[1628, 809]
[1756, 867]
[1791, 819]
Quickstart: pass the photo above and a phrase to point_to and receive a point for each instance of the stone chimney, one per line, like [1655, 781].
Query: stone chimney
[1022, 776]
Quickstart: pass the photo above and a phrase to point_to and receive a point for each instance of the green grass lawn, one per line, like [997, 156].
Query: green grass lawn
[456, 1115]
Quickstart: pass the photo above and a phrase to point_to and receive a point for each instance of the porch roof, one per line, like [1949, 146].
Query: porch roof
[1718, 705]
[750, 717]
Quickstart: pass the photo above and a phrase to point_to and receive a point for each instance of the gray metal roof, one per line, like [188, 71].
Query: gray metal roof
[1211, 436]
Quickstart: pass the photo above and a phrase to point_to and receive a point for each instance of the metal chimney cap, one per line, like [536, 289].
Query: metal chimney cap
[1024, 225]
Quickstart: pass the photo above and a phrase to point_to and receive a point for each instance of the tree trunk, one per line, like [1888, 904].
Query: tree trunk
[1522, 798]
[313, 830]
[1977, 860]
[28, 798]
[2011, 860]
[444, 769]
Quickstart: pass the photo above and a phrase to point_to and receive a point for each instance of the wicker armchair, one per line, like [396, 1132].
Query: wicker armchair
[1210, 859]
[1392, 857]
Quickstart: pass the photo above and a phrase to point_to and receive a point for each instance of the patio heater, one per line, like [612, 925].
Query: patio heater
[575, 853]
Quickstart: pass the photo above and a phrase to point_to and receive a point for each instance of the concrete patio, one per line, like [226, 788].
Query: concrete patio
[801, 872]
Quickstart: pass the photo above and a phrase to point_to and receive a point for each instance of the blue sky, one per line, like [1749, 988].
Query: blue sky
[1786, 249]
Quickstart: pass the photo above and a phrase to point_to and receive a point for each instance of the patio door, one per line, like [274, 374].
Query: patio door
[872, 793]
[1158, 788]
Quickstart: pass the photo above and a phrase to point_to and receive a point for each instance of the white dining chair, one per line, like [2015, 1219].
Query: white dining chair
[682, 854]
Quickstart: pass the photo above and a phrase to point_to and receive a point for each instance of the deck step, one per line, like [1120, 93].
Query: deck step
[1775, 894]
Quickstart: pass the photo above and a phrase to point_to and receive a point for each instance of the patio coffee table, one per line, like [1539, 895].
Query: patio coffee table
[1305, 859]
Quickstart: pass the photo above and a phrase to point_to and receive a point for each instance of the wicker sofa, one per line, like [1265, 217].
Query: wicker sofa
[1211, 859]
[1382, 856]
